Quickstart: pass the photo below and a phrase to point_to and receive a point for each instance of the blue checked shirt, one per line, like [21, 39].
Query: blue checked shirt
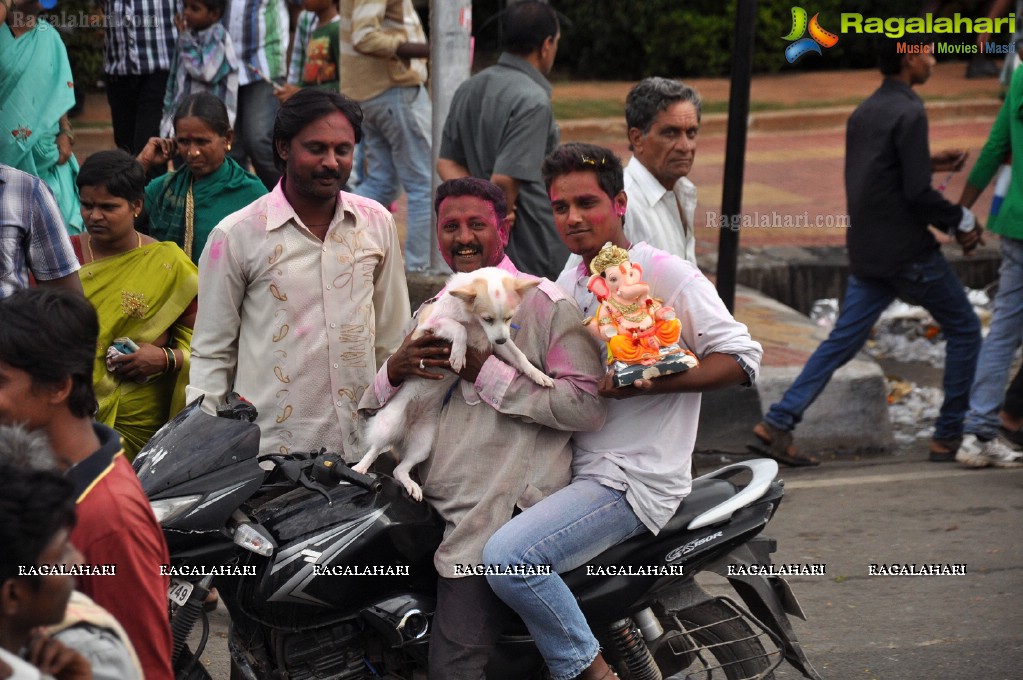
[140, 36]
[33, 237]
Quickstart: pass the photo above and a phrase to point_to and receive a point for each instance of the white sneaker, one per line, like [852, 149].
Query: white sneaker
[995, 453]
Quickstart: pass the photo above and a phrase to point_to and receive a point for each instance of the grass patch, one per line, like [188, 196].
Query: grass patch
[575, 109]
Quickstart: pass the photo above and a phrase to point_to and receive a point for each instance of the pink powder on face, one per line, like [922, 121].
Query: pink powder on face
[500, 226]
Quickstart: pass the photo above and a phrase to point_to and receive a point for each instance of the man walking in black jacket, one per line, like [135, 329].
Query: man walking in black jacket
[892, 252]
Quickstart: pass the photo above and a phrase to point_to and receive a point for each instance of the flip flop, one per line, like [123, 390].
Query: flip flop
[777, 445]
[792, 460]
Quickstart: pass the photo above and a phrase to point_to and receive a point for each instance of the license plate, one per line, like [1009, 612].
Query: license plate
[179, 591]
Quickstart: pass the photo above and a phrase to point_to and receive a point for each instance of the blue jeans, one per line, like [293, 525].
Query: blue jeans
[930, 283]
[396, 126]
[1004, 335]
[564, 530]
[253, 131]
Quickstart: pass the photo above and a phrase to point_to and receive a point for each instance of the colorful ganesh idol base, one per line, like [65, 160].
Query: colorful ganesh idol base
[641, 333]
[673, 359]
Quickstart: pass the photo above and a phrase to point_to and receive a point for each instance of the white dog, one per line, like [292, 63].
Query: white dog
[474, 311]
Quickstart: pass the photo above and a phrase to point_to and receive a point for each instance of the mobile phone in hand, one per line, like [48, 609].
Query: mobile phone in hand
[125, 345]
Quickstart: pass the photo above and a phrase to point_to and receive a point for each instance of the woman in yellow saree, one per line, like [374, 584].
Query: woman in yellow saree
[142, 289]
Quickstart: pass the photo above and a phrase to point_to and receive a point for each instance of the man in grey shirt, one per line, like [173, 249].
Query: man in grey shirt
[501, 126]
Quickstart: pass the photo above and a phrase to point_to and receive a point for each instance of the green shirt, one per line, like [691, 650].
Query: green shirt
[1006, 137]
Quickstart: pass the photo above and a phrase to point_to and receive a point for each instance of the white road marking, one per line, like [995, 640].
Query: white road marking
[886, 479]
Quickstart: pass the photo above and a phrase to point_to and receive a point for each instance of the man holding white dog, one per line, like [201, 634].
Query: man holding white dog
[503, 440]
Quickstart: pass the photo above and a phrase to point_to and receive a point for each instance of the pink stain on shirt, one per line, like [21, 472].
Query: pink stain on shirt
[557, 356]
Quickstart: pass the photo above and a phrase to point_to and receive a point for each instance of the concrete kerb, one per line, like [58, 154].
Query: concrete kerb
[851, 415]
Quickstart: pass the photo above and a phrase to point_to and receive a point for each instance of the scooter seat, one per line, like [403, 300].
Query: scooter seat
[706, 494]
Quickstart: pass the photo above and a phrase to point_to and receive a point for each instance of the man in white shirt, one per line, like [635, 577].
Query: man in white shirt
[663, 118]
[302, 294]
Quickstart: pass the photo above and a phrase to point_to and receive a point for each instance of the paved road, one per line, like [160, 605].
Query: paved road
[850, 516]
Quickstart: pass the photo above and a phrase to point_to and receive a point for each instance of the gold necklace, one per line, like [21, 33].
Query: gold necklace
[92, 257]
[624, 309]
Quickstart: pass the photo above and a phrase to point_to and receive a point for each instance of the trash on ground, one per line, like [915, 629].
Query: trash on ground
[912, 410]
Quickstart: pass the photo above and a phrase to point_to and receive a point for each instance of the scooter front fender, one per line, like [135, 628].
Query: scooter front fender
[768, 598]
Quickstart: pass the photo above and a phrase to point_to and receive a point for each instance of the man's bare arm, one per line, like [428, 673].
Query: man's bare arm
[510, 187]
[414, 50]
[70, 282]
[449, 169]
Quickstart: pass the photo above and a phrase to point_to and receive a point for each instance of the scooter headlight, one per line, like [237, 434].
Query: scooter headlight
[169, 509]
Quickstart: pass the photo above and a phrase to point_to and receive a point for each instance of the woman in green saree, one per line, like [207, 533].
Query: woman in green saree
[183, 206]
[142, 289]
[36, 92]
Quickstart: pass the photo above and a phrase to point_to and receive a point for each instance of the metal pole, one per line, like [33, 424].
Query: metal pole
[735, 150]
[450, 34]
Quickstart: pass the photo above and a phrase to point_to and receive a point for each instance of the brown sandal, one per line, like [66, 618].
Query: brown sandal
[777, 444]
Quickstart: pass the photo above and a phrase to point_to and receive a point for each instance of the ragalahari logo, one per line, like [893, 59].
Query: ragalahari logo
[818, 36]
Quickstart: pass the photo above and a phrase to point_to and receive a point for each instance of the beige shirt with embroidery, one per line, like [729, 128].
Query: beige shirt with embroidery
[295, 325]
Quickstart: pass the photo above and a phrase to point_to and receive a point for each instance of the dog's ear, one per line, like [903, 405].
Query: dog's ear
[470, 292]
[520, 285]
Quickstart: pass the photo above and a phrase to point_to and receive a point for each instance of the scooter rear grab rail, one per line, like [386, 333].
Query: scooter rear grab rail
[764, 471]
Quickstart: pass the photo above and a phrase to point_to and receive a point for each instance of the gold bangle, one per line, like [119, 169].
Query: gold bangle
[173, 359]
[166, 361]
[66, 131]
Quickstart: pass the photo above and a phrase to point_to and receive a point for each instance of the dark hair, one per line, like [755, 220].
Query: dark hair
[34, 506]
[652, 95]
[889, 56]
[206, 107]
[308, 105]
[50, 333]
[576, 157]
[526, 25]
[219, 6]
[117, 170]
[473, 186]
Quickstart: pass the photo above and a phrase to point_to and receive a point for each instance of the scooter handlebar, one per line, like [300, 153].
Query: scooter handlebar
[347, 474]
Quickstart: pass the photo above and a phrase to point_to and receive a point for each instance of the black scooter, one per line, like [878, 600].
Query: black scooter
[327, 573]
